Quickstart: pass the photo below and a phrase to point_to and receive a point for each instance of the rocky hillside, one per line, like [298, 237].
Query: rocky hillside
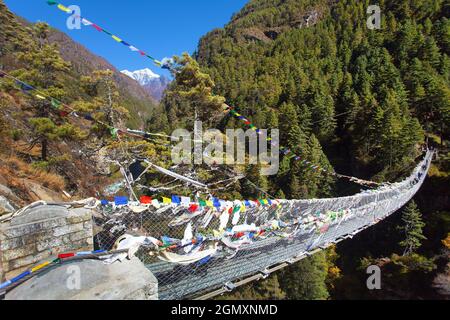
[46, 154]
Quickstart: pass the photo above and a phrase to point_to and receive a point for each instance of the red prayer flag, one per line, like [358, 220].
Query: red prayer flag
[97, 27]
[146, 199]
[66, 255]
[193, 208]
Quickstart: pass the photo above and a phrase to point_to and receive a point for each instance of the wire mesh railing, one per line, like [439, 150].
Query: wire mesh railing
[256, 239]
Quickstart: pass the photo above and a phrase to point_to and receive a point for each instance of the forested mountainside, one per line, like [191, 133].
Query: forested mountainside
[370, 99]
[46, 153]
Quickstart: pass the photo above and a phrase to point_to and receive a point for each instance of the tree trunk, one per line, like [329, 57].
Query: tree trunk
[44, 149]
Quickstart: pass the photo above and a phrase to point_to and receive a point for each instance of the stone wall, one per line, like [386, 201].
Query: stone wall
[41, 233]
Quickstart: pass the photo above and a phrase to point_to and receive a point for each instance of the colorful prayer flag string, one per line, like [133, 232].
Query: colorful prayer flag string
[283, 150]
[86, 22]
[63, 109]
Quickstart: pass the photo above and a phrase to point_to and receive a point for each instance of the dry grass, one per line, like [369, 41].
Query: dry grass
[14, 170]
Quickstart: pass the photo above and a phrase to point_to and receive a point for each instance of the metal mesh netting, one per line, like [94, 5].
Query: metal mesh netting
[301, 227]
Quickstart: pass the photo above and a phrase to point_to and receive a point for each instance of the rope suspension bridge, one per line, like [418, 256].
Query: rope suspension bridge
[215, 246]
[204, 247]
[264, 239]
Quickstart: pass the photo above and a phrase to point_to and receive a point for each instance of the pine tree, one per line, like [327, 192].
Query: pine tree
[269, 289]
[45, 68]
[103, 101]
[192, 95]
[306, 280]
[412, 228]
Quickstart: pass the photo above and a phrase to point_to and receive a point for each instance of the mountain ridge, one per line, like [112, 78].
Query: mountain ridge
[153, 83]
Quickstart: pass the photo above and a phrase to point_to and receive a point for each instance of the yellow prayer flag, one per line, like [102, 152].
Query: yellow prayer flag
[242, 208]
[39, 267]
[209, 203]
[167, 200]
[117, 39]
[63, 8]
[40, 97]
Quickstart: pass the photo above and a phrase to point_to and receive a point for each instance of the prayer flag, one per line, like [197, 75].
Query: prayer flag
[40, 97]
[117, 38]
[202, 202]
[97, 27]
[24, 87]
[114, 132]
[193, 208]
[118, 201]
[55, 104]
[89, 117]
[185, 200]
[51, 2]
[86, 22]
[176, 199]
[146, 199]
[63, 8]
[166, 200]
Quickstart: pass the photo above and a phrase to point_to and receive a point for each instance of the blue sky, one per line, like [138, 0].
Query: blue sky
[160, 28]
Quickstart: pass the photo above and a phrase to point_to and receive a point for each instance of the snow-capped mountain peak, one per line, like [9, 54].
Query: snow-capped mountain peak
[153, 83]
[144, 76]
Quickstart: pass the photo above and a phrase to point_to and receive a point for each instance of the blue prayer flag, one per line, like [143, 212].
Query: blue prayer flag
[120, 201]
[176, 199]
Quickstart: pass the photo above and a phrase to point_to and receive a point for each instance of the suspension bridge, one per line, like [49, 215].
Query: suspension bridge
[303, 227]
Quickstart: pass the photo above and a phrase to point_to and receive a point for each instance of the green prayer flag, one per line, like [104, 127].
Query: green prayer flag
[51, 2]
[55, 104]
[114, 132]
[202, 202]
